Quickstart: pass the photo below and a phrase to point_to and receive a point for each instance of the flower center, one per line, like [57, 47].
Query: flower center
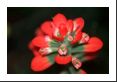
[62, 50]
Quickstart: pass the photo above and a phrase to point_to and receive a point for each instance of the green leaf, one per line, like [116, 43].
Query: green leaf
[53, 43]
[79, 55]
[78, 49]
[51, 57]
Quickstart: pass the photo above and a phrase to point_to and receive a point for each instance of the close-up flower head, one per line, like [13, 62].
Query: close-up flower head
[63, 41]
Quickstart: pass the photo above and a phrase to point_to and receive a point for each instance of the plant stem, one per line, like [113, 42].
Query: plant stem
[71, 69]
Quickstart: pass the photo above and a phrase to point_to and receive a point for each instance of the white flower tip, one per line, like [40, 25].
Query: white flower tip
[70, 38]
[45, 51]
[47, 38]
[85, 38]
[75, 26]
[76, 63]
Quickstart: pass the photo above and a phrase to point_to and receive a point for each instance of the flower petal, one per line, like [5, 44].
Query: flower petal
[94, 44]
[39, 32]
[63, 59]
[36, 53]
[56, 34]
[58, 38]
[47, 28]
[30, 45]
[78, 24]
[40, 63]
[34, 49]
[40, 41]
[77, 37]
[63, 30]
[69, 25]
[59, 19]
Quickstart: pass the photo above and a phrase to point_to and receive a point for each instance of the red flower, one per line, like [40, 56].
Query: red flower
[55, 40]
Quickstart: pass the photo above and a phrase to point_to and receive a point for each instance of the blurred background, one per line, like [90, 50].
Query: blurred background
[23, 21]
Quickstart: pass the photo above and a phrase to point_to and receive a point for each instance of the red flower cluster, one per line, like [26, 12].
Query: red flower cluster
[61, 41]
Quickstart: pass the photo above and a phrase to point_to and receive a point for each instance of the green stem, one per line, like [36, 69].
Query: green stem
[72, 70]
[77, 49]
[79, 55]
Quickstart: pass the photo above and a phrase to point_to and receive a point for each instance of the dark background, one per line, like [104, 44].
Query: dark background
[23, 21]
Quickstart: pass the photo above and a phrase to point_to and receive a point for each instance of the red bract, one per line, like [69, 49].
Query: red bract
[55, 40]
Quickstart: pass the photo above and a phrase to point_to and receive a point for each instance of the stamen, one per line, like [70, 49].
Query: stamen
[76, 62]
[62, 50]
[85, 38]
